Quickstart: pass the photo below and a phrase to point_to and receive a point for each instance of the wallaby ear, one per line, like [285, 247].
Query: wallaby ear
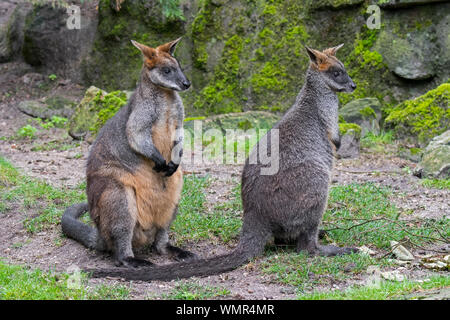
[169, 47]
[146, 51]
[315, 56]
[332, 51]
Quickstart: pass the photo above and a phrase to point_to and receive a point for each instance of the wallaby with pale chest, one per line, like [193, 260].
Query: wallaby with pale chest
[133, 177]
[289, 204]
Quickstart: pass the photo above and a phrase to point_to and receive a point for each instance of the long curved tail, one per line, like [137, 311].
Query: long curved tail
[250, 245]
[79, 231]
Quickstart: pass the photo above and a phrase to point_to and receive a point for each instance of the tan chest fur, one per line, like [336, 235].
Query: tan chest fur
[156, 195]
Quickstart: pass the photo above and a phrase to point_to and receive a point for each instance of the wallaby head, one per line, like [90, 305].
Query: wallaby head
[330, 69]
[161, 67]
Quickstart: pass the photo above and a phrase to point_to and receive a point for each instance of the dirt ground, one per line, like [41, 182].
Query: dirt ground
[50, 250]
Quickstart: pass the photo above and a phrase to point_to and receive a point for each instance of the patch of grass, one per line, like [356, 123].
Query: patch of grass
[361, 214]
[185, 290]
[377, 142]
[436, 183]
[20, 283]
[57, 145]
[303, 271]
[24, 193]
[27, 131]
[386, 291]
[194, 223]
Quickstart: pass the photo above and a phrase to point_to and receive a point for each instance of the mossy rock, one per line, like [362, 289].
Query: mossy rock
[435, 161]
[350, 140]
[422, 118]
[48, 107]
[365, 112]
[332, 4]
[93, 111]
[410, 57]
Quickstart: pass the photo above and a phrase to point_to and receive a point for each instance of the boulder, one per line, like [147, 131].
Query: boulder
[48, 107]
[365, 112]
[332, 4]
[403, 3]
[50, 45]
[350, 138]
[410, 57]
[435, 161]
[420, 119]
[96, 107]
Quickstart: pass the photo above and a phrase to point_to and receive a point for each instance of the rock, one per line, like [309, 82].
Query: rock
[411, 154]
[435, 161]
[366, 251]
[411, 57]
[96, 107]
[47, 108]
[403, 3]
[365, 112]
[12, 14]
[333, 4]
[393, 275]
[350, 138]
[52, 46]
[401, 252]
[420, 119]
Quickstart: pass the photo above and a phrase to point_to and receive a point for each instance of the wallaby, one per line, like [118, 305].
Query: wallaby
[133, 177]
[288, 204]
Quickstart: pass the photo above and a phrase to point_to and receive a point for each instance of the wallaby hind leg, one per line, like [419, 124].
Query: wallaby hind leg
[307, 241]
[120, 227]
[163, 246]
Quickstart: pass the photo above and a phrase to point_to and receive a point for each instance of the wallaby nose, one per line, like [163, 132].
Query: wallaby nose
[186, 84]
[353, 85]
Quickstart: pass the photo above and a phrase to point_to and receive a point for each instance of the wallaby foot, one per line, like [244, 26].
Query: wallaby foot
[132, 262]
[180, 254]
[330, 250]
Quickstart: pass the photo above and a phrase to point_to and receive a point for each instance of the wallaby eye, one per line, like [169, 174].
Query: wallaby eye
[166, 70]
[337, 73]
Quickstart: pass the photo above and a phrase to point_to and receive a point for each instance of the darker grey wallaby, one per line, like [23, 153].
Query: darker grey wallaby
[289, 204]
[133, 180]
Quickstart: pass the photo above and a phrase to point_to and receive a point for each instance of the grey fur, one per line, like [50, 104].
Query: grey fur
[123, 144]
[289, 204]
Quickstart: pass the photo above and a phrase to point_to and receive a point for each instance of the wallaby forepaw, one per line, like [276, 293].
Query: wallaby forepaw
[171, 168]
[133, 262]
[181, 255]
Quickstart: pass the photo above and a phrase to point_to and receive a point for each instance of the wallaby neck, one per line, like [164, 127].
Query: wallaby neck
[317, 101]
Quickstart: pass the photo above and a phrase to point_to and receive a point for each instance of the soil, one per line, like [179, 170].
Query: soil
[50, 250]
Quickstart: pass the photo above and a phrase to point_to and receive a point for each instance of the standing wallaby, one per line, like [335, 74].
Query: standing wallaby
[133, 180]
[289, 204]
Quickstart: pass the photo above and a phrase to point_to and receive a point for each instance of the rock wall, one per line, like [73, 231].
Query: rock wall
[248, 54]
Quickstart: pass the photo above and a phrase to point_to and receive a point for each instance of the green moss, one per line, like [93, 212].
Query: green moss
[368, 112]
[366, 67]
[107, 106]
[346, 127]
[223, 94]
[424, 117]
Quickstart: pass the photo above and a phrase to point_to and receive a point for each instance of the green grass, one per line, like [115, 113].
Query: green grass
[303, 271]
[55, 145]
[194, 223]
[188, 290]
[20, 283]
[377, 142]
[28, 194]
[362, 214]
[386, 291]
[443, 184]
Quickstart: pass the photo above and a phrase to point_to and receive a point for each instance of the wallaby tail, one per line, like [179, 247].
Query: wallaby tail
[79, 231]
[249, 246]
